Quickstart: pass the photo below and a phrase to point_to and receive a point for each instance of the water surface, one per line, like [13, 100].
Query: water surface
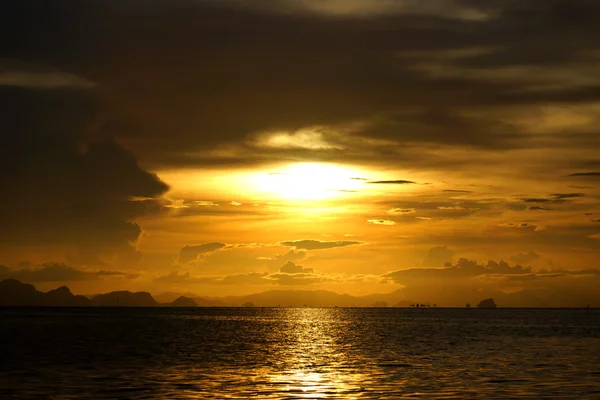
[200, 353]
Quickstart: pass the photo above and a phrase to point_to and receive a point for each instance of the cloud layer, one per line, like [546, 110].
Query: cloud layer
[318, 244]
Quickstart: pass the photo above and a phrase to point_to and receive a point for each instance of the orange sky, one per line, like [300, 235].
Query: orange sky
[355, 146]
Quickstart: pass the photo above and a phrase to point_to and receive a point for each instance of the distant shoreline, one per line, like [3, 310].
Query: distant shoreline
[167, 306]
[14, 293]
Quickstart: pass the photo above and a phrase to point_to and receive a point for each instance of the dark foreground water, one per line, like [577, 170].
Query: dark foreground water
[299, 353]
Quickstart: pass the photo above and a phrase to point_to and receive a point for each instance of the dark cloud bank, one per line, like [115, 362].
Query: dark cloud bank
[155, 63]
[55, 272]
[67, 183]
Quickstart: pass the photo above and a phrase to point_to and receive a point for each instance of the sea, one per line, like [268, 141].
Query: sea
[299, 353]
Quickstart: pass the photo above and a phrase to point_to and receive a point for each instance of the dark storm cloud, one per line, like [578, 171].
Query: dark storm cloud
[318, 244]
[172, 73]
[55, 272]
[65, 181]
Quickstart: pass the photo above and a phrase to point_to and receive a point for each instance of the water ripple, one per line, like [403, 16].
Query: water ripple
[299, 353]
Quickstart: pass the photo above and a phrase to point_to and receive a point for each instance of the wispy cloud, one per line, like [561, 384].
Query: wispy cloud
[309, 244]
[394, 182]
[381, 222]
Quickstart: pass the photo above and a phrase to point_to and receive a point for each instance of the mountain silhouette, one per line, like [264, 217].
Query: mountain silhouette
[310, 298]
[124, 299]
[62, 296]
[169, 297]
[183, 301]
[15, 293]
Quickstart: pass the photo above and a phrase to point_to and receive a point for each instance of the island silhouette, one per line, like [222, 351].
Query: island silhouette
[487, 303]
[14, 293]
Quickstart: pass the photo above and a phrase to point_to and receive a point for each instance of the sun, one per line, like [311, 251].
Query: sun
[308, 181]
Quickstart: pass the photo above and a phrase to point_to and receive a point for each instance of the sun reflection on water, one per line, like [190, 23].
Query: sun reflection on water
[315, 361]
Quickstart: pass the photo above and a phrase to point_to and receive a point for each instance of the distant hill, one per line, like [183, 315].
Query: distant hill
[124, 299]
[15, 293]
[183, 301]
[63, 297]
[169, 297]
[312, 298]
[210, 302]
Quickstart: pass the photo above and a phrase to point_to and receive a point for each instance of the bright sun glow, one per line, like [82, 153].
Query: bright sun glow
[308, 181]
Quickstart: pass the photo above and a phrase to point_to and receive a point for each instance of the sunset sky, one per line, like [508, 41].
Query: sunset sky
[225, 147]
